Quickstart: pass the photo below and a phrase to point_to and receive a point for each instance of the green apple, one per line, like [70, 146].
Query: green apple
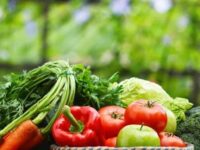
[171, 121]
[137, 135]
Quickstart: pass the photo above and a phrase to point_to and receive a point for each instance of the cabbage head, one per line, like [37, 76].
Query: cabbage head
[135, 89]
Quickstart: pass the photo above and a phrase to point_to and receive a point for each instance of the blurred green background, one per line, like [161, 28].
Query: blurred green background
[158, 40]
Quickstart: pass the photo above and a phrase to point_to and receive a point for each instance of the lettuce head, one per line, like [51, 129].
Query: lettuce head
[135, 89]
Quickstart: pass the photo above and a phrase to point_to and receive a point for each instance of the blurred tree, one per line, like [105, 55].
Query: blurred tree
[154, 39]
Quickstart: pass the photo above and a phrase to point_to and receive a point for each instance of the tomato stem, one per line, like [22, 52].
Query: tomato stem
[141, 127]
[169, 134]
[150, 103]
[116, 115]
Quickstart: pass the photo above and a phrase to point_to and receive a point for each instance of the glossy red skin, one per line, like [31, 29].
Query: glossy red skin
[139, 113]
[111, 142]
[110, 125]
[168, 140]
[91, 134]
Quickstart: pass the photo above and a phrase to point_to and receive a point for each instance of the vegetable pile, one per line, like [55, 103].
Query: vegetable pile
[146, 122]
[70, 106]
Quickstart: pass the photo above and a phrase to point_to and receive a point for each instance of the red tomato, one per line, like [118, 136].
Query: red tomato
[111, 142]
[147, 113]
[168, 139]
[112, 120]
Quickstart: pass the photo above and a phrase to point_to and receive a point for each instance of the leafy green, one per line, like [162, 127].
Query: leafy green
[135, 88]
[95, 91]
[36, 93]
[17, 94]
[189, 130]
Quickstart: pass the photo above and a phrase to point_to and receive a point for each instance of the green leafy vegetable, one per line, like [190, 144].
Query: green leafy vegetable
[189, 130]
[135, 88]
[35, 94]
[19, 93]
[95, 91]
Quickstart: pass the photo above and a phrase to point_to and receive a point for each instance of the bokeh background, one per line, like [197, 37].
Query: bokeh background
[158, 40]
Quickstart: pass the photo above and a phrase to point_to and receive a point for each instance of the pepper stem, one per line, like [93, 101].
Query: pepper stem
[76, 126]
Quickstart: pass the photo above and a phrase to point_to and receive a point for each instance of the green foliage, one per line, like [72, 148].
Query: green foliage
[35, 94]
[17, 44]
[95, 91]
[190, 128]
[143, 39]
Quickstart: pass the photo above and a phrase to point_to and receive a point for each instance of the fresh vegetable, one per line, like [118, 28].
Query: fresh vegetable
[40, 94]
[35, 99]
[189, 130]
[35, 141]
[170, 140]
[78, 126]
[111, 142]
[112, 120]
[147, 113]
[135, 88]
[137, 135]
[61, 92]
[171, 121]
[25, 137]
[22, 91]
[51, 104]
[95, 91]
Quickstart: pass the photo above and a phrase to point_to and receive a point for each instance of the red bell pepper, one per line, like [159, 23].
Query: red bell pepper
[78, 126]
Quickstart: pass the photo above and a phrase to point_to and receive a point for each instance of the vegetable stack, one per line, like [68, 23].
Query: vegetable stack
[22, 100]
[33, 100]
[36, 102]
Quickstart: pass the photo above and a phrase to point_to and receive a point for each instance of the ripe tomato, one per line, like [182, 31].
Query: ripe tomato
[112, 120]
[168, 139]
[147, 113]
[111, 142]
